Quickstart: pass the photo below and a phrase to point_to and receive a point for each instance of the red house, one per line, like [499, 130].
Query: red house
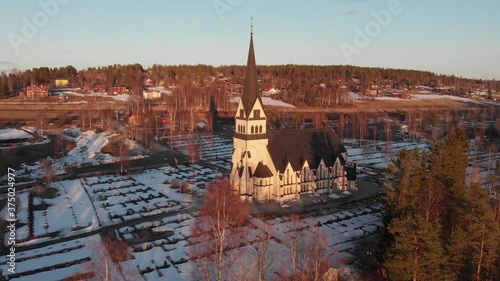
[100, 88]
[36, 91]
[119, 90]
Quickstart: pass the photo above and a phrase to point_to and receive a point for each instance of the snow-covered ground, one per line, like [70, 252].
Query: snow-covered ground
[267, 101]
[422, 95]
[120, 97]
[121, 198]
[87, 152]
[28, 134]
[418, 97]
[208, 147]
[13, 134]
[169, 256]
[55, 262]
[88, 147]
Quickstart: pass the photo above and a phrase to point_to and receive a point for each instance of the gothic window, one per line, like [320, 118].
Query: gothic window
[287, 176]
[244, 130]
[260, 129]
[256, 114]
[251, 130]
[242, 113]
[304, 178]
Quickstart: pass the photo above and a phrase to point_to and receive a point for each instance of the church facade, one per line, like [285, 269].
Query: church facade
[283, 165]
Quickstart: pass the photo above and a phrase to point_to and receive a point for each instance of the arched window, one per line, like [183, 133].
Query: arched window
[251, 131]
[239, 128]
[260, 129]
[287, 176]
[244, 130]
[304, 175]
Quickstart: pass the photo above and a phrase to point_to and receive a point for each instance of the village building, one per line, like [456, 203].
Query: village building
[117, 90]
[282, 166]
[151, 94]
[61, 82]
[40, 91]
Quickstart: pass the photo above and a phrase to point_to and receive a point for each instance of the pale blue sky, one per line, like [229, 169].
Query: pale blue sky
[460, 37]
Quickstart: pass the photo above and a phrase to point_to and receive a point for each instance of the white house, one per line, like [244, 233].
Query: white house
[151, 94]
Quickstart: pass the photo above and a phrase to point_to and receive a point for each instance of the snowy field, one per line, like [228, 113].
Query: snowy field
[376, 154]
[69, 213]
[208, 147]
[87, 152]
[85, 204]
[267, 101]
[54, 262]
[121, 198]
[422, 95]
[11, 138]
[120, 97]
[167, 254]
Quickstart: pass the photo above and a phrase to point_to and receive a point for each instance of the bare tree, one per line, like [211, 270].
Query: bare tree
[217, 228]
[106, 258]
[308, 249]
[265, 256]
[41, 120]
[431, 199]
[46, 167]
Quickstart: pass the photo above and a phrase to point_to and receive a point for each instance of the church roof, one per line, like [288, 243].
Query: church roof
[251, 86]
[297, 146]
[262, 171]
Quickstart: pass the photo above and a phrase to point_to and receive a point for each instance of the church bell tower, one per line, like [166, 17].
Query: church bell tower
[250, 137]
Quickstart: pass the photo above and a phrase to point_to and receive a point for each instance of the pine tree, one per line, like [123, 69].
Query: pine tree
[417, 252]
[403, 179]
[483, 232]
[441, 229]
[448, 165]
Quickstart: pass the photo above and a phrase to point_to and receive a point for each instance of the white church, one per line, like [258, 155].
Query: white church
[281, 166]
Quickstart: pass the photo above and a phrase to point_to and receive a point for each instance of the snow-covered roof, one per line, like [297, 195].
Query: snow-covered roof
[11, 134]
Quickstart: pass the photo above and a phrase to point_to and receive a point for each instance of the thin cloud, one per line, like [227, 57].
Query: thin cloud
[7, 62]
[489, 57]
[351, 12]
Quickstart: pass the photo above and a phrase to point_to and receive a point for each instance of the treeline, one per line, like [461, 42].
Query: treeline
[293, 78]
[440, 227]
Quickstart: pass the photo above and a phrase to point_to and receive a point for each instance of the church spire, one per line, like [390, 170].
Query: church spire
[251, 25]
[251, 86]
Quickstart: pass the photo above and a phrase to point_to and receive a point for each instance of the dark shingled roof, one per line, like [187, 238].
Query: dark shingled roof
[251, 86]
[262, 171]
[312, 145]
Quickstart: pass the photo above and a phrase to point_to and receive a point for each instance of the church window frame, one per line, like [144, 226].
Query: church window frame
[260, 129]
[256, 113]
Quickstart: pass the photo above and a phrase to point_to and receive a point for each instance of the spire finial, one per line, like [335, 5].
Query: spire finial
[251, 25]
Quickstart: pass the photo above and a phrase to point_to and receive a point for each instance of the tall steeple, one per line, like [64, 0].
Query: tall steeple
[251, 86]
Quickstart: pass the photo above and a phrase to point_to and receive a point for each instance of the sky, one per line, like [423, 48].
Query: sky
[459, 37]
